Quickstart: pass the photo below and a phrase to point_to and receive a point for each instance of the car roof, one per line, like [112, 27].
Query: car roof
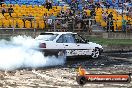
[57, 33]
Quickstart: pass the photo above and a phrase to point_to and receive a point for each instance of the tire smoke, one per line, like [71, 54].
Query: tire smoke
[20, 52]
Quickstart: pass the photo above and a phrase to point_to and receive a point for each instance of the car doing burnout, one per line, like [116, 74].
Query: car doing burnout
[67, 44]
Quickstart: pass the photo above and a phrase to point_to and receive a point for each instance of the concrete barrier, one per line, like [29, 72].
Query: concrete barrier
[28, 32]
[117, 48]
[118, 35]
[33, 33]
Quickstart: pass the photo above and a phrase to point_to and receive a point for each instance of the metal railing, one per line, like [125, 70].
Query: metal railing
[53, 24]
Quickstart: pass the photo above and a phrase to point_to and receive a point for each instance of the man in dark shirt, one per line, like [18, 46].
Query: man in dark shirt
[110, 22]
[48, 5]
[85, 21]
[24, 19]
[110, 16]
[30, 18]
[97, 5]
[93, 7]
[62, 13]
[10, 10]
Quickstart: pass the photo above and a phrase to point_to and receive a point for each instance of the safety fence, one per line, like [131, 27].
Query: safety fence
[48, 24]
[62, 24]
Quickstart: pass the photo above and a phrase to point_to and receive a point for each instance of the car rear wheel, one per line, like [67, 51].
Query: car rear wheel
[95, 53]
[81, 80]
[62, 54]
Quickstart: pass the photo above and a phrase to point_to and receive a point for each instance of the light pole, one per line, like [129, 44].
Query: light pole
[122, 7]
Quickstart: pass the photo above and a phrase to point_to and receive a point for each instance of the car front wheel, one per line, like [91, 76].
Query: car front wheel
[81, 80]
[95, 53]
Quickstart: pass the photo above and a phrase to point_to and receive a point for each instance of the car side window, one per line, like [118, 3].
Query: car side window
[78, 39]
[66, 38]
[60, 40]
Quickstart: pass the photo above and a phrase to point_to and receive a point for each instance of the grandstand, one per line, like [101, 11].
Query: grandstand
[33, 2]
[24, 8]
[26, 2]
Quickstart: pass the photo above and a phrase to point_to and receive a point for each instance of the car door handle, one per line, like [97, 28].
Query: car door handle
[78, 45]
[66, 45]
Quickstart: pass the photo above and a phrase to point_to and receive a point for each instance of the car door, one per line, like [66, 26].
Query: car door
[67, 42]
[82, 45]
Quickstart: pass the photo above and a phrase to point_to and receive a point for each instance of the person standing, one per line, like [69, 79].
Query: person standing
[24, 19]
[110, 16]
[104, 15]
[3, 11]
[110, 22]
[48, 5]
[124, 23]
[10, 10]
[110, 25]
[31, 18]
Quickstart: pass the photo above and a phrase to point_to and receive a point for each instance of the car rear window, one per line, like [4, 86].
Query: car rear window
[46, 37]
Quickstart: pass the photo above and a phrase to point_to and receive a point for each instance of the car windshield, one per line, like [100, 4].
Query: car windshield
[48, 37]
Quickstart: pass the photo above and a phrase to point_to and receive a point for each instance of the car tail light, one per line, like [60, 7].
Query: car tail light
[42, 45]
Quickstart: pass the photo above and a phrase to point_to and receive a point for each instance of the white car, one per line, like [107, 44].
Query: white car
[67, 43]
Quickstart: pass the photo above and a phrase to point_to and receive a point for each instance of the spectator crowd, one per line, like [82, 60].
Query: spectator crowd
[76, 17]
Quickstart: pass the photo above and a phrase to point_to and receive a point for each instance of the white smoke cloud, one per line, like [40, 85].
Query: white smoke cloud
[20, 52]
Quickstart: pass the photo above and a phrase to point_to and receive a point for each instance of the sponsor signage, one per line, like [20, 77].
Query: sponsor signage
[83, 78]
